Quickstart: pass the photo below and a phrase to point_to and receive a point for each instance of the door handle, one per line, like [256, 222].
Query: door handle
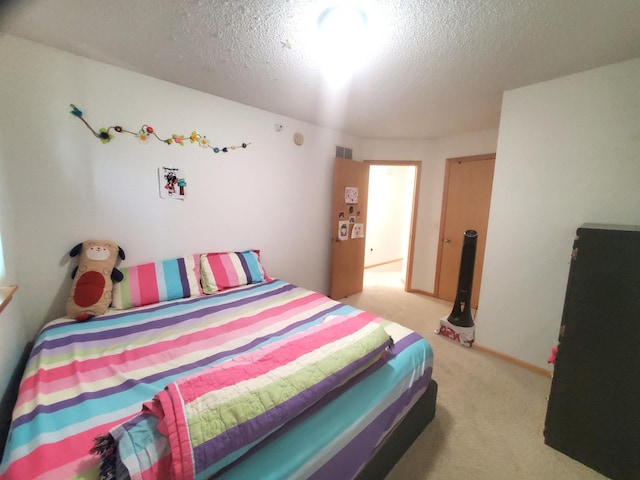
[447, 240]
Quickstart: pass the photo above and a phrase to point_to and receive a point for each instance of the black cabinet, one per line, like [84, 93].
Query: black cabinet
[593, 414]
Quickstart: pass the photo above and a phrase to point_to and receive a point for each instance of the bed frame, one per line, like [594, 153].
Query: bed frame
[10, 396]
[402, 437]
[384, 459]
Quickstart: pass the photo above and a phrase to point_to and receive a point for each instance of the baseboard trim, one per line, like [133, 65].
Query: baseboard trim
[513, 360]
[383, 263]
[495, 353]
[421, 292]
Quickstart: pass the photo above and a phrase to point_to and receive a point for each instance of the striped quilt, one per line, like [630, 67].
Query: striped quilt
[85, 379]
[213, 417]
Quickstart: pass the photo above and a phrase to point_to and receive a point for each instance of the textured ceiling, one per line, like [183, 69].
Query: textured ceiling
[437, 67]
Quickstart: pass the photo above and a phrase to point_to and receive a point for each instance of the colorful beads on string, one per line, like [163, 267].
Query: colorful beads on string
[146, 132]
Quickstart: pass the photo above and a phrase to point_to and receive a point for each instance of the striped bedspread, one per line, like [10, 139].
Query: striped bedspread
[213, 417]
[85, 379]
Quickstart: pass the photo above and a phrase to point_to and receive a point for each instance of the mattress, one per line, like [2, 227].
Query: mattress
[84, 380]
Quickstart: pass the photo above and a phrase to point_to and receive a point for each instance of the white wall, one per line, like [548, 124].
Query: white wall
[433, 155]
[62, 185]
[388, 213]
[568, 154]
[14, 333]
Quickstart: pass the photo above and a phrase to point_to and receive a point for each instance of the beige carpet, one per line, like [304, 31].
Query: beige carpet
[489, 414]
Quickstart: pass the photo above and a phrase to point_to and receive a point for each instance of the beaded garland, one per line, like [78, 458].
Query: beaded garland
[146, 133]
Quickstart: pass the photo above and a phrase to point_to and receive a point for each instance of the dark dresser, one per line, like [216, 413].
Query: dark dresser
[593, 414]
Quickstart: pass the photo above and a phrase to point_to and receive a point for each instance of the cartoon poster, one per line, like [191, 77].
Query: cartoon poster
[172, 183]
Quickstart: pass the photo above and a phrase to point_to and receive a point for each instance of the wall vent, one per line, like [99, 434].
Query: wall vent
[344, 152]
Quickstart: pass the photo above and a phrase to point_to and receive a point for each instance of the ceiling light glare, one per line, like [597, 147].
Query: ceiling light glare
[344, 21]
[343, 40]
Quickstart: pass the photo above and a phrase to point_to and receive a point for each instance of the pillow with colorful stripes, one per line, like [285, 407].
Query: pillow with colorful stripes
[157, 282]
[230, 269]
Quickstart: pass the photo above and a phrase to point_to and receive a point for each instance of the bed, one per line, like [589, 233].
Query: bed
[88, 397]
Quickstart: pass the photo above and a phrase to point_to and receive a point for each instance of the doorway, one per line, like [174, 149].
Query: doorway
[391, 218]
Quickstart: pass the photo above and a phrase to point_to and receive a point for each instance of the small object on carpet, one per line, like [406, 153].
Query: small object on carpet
[464, 335]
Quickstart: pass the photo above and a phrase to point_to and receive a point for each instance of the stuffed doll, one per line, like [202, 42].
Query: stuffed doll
[552, 357]
[93, 278]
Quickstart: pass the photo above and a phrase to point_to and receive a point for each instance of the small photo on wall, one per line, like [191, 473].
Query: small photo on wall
[351, 195]
[343, 230]
[172, 183]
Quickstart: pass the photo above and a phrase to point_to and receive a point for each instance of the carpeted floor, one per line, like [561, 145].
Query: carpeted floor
[489, 414]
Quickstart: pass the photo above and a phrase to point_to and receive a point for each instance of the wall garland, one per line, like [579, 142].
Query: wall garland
[146, 133]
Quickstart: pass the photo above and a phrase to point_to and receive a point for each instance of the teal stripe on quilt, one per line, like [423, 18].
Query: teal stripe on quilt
[141, 450]
[72, 419]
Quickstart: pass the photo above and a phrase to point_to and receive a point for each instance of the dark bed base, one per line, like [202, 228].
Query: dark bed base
[402, 436]
[11, 395]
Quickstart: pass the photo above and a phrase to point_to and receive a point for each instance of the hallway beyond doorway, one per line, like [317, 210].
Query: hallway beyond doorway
[387, 275]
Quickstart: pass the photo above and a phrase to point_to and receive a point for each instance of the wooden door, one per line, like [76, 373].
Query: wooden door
[465, 206]
[347, 252]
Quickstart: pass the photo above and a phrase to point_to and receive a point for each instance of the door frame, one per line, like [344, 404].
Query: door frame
[414, 210]
[443, 211]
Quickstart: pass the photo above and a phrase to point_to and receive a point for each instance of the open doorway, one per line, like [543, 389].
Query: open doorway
[391, 218]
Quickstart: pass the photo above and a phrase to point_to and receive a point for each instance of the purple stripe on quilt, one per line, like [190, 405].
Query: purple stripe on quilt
[152, 325]
[161, 307]
[186, 290]
[245, 267]
[335, 393]
[188, 368]
[352, 457]
[132, 422]
[211, 451]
